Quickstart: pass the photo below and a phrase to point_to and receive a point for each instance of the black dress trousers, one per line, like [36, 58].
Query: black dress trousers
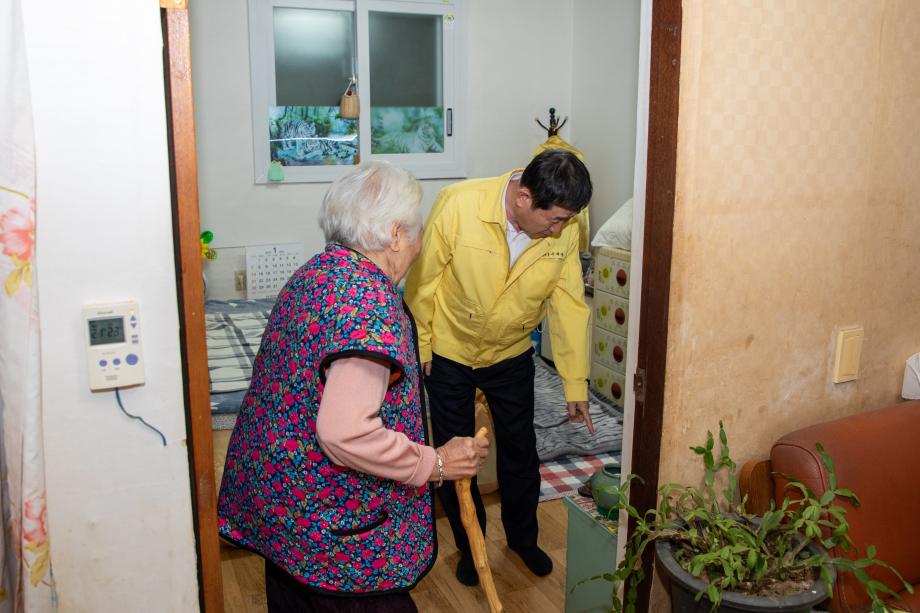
[508, 387]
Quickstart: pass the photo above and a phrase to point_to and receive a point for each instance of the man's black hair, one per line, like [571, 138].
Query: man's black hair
[557, 177]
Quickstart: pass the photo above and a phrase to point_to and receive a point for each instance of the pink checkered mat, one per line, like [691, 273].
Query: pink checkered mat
[563, 476]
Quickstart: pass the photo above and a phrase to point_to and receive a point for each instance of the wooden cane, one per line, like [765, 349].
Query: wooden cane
[477, 543]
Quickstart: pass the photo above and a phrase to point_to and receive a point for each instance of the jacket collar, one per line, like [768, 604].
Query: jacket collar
[492, 210]
[492, 205]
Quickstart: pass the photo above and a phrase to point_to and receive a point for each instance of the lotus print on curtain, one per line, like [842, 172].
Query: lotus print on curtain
[26, 583]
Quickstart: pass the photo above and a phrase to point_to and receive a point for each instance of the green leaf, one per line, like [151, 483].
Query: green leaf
[845, 493]
[877, 586]
[770, 521]
[751, 559]
[825, 458]
[713, 592]
[696, 566]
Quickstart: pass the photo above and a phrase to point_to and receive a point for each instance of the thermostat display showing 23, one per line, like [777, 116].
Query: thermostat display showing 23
[107, 330]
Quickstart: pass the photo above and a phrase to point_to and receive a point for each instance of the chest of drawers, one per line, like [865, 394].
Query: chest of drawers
[610, 322]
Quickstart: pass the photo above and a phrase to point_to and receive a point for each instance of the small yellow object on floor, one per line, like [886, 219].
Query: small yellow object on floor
[477, 543]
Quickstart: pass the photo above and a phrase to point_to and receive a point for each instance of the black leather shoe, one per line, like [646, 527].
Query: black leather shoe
[536, 560]
[466, 570]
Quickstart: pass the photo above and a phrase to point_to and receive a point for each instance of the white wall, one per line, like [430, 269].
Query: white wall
[604, 81]
[519, 64]
[119, 503]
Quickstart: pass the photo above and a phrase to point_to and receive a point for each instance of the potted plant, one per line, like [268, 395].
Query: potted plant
[721, 558]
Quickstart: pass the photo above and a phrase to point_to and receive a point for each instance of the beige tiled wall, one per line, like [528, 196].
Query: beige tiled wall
[797, 213]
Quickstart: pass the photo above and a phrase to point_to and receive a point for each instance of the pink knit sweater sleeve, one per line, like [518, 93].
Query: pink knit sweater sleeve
[351, 433]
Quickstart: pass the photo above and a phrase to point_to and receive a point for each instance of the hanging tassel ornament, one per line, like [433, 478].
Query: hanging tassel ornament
[349, 107]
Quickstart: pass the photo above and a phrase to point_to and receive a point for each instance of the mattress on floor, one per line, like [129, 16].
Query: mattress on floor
[556, 435]
[233, 330]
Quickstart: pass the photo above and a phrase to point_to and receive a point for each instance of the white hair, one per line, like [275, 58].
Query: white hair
[360, 208]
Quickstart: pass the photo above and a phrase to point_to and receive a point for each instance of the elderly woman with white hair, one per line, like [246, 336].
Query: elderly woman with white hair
[328, 468]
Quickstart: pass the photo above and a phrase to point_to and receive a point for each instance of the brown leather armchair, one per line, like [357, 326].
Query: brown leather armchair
[876, 455]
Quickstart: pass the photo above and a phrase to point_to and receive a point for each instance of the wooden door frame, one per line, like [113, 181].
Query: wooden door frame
[183, 177]
[664, 88]
[661, 175]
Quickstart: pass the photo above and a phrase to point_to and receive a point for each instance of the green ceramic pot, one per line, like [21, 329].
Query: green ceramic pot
[605, 478]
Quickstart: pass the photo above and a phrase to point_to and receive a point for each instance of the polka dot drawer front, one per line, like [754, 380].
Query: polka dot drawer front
[611, 313]
[610, 322]
[611, 271]
[608, 382]
[609, 349]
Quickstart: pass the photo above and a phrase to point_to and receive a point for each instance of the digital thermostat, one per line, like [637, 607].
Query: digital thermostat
[113, 345]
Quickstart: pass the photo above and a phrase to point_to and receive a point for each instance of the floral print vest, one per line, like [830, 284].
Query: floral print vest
[332, 528]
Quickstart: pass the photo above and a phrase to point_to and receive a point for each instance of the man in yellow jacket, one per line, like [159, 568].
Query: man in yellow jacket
[497, 256]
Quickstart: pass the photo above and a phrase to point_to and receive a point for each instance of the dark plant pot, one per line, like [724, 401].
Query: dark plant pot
[685, 587]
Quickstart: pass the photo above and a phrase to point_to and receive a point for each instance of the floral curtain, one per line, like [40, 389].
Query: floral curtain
[26, 583]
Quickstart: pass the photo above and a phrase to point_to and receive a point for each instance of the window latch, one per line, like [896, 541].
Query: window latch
[450, 121]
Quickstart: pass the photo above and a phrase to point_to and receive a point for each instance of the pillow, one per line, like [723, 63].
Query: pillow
[616, 231]
[911, 388]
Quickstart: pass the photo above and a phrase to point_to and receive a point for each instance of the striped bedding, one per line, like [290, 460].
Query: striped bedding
[234, 331]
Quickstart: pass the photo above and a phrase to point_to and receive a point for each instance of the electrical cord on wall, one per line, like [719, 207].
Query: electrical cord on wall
[141, 419]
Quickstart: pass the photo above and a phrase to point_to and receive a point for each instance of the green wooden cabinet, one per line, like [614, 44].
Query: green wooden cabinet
[591, 550]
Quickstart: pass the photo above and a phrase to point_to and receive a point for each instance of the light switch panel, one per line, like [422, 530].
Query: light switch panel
[846, 360]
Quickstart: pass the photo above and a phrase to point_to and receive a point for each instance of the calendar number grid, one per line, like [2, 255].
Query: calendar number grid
[268, 268]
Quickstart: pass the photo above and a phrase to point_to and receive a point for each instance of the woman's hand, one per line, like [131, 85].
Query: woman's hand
[462, 456]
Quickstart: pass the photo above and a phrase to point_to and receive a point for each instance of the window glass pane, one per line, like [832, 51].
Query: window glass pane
[405, 54]
[314, 60]
[312, 136]
[407, 114]
[314, 55]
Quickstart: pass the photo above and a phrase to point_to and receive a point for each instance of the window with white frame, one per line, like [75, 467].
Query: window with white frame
[402, 58]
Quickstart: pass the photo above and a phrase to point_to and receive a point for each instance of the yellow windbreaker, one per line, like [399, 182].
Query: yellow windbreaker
[470, 308]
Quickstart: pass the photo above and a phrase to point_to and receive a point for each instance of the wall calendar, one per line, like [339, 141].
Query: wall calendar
[268, 267]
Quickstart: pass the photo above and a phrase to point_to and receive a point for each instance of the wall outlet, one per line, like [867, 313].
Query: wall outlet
[239, 278]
